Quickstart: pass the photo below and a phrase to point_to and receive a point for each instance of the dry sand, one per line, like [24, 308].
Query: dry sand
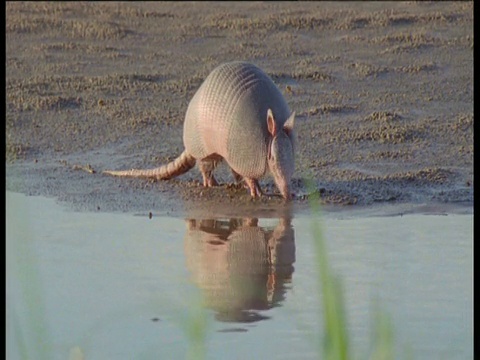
[383, 94]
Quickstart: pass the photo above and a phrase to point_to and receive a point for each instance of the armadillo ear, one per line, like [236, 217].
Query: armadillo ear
[288, 126]
[272, 127]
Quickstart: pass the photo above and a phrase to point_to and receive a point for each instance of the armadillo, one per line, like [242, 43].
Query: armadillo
[240, 116]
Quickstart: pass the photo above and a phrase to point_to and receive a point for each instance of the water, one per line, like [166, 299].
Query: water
[119, 286]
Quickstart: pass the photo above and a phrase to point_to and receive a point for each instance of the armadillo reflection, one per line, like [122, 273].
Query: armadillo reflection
[239, 266]
[238, 115]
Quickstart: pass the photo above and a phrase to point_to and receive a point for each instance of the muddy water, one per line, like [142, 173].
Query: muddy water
[129, 286]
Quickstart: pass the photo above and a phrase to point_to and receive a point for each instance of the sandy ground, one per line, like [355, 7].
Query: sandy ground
[383, 94]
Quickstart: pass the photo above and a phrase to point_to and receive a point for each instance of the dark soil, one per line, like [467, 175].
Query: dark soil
[383, 94]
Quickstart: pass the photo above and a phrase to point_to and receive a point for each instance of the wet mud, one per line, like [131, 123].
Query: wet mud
[383, 94]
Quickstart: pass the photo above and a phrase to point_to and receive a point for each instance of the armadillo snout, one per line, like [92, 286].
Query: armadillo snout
[285, 191]
[281, 163]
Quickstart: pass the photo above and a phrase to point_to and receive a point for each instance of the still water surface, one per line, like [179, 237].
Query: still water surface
[119, 286]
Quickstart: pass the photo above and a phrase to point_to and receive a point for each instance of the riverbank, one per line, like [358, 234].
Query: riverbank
[383, 94]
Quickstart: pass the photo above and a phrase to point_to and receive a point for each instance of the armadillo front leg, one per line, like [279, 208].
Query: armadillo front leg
[236, 176]
[254, 187]
[206, 167]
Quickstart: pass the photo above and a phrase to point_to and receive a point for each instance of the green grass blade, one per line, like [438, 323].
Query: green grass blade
[336, 337]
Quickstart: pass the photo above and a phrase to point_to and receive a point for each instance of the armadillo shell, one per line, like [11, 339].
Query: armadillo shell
[228, 116]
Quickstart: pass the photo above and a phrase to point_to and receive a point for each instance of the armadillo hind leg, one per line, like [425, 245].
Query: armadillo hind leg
[206, 167]
[254, 187]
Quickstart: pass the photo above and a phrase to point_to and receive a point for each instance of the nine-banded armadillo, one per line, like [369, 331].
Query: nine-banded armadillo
[238, 115]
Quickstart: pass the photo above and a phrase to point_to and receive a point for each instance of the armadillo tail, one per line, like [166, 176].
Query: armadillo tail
[179, 166]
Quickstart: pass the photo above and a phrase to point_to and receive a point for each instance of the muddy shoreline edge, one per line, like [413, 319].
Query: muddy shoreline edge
[383, 94]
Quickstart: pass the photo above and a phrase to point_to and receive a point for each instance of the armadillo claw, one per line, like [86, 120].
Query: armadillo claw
[254, 188]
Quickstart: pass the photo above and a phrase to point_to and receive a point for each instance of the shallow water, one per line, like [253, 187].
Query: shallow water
[119, 286]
